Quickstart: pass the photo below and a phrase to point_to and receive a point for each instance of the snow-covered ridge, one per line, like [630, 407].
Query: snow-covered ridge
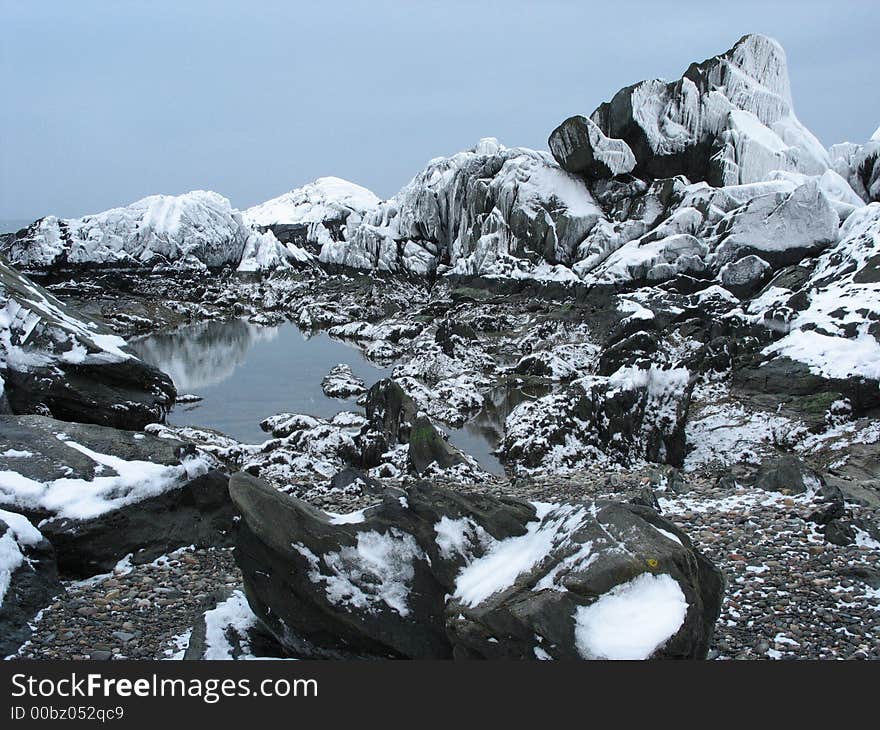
[194, 230]
[325, 199]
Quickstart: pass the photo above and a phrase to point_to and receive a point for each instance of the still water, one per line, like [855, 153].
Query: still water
[245, 373]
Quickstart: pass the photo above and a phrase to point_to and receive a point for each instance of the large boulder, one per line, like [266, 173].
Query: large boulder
[100, 494]
[53, 362]
[28, 578]
[579, 146]
[781, 228]
[430, 573]
[729, 120]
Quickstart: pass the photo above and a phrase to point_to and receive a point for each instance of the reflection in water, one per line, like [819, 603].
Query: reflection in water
[203, 354]
[245, 373]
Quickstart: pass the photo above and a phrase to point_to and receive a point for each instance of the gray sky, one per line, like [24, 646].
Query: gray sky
[105, 102]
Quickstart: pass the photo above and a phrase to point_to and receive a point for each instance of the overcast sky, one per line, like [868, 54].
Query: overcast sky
[105, 102]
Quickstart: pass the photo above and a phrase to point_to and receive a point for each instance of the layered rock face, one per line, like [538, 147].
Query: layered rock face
[485, 208]
[431, 573]
[52, 362]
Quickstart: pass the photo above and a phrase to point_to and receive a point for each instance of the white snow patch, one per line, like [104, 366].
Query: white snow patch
[632, 620]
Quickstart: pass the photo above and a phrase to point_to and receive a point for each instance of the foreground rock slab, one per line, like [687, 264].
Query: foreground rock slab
[100, 494]
[53, 362]
[432, 573]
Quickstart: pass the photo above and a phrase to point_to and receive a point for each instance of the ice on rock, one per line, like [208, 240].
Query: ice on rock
[859, 165]
[728, 120]
[488, 210]
[192, 231]
[579, 146]
[781, 228]
[313, 221]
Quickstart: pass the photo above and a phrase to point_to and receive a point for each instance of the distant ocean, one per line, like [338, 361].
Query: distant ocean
[12, 225]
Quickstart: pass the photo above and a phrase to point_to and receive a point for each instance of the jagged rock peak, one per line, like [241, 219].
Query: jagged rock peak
[729, 120]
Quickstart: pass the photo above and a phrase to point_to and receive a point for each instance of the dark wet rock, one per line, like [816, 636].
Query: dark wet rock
[831, 505]
[394, 418]
[840, 532]
[403, 580]
[451, 332]
[54, 362]
[647, 498]
[351, 478]
[32, 580]
[579, 146]
[639, 347]
[786, 474]
[745, 276]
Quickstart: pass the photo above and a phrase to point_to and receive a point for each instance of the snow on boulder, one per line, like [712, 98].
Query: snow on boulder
[728, 120]
[430, 573]
[859, 165]
[634, 414]
[341, 382]
[192, 231]
[28, 578]
[781, 228]
[837, 334]
[579, 146]
[51, 361]
[101, 493]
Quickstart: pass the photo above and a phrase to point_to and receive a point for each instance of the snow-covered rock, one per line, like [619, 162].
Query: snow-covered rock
[28, 578]
[264, 252]
[859, 165]
[305, 220]
[780, 228]
[191, 231]
[101, 493]
[837, 334]
[51, 361]
[634, 414]
[341, 382]
[490, 209]
[728, 120]
[430, 573]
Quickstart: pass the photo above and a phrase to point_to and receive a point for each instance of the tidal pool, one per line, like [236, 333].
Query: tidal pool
[245, 372]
